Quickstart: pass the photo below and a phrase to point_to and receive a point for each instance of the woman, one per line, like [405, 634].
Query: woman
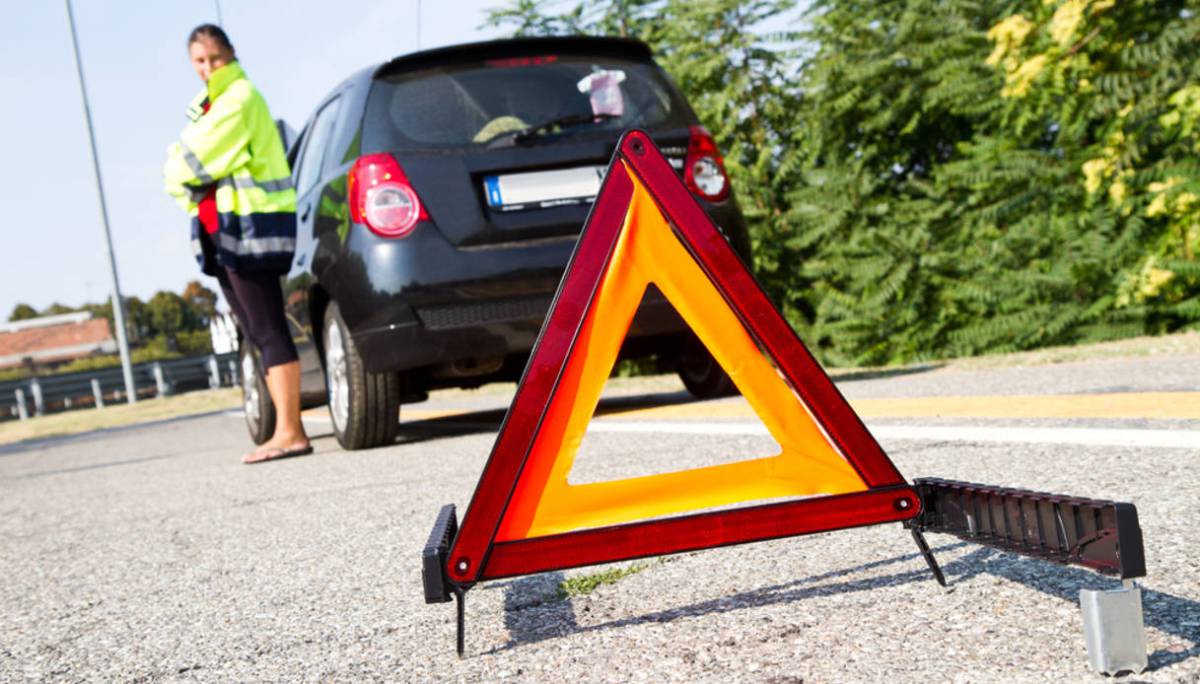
[229, 171]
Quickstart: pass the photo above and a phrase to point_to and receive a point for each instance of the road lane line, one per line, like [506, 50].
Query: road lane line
[1151, 405]
[1111, 437]
[1120, 437]
[1157, 405]
[695, 418]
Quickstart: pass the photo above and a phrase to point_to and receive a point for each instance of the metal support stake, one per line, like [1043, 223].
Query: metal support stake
[160, 381]
[97, 395]
[39, 404]
[928, 554]
[460, 602]
[22, 409]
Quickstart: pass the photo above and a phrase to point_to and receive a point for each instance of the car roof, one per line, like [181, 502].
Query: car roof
[627, 48]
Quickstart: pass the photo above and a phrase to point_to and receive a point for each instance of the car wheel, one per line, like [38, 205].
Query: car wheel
[365, 407]
[257, 406]
[701, 374]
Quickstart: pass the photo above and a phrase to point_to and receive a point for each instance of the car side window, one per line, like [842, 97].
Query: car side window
[314, 149]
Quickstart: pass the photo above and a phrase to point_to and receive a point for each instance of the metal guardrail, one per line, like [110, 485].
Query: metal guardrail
[95, 388]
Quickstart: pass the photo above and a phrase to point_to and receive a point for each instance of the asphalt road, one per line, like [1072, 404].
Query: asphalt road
[151, 553]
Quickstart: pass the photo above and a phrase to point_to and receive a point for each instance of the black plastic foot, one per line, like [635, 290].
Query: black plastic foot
[433, 557]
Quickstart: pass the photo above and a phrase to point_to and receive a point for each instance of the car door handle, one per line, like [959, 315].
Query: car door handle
[307, 211]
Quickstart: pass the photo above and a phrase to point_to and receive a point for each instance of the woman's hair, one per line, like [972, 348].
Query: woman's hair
[210, 31]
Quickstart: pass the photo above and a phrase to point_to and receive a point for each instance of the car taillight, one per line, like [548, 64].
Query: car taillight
[382, 197]
[704, 169]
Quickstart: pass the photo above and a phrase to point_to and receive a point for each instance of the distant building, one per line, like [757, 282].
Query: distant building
[52, 340]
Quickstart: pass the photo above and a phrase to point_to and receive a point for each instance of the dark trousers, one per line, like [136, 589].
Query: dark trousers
[257, 303]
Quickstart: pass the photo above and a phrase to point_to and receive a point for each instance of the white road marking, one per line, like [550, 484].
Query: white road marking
[1131, 437]
[1112, 437]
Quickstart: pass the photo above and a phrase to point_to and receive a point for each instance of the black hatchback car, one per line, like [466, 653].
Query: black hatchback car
[439, 198]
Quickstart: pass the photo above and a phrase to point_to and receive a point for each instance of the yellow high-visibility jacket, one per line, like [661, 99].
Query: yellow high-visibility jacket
[235, 147]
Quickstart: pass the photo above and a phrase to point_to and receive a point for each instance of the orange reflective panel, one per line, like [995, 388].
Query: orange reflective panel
[647, 251]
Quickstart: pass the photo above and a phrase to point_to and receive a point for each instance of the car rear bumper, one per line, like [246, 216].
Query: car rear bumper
[493, 329]
[414, 310]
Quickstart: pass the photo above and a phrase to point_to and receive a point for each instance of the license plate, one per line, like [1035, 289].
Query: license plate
[541, 189]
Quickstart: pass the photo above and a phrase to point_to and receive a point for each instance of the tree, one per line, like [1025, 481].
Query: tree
[202, 302]
[167, 312]
[56, 309]
[22, 312]
[891, 92]
[137, 318]
[1100, 96]
[734, 73]
[530, 18]
[946, 177]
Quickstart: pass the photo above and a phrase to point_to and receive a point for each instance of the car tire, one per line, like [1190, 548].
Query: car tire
[365, 407]
[257, 406]
[701, 374]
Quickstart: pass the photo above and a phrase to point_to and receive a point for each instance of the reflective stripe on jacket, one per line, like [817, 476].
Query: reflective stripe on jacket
[235, 147]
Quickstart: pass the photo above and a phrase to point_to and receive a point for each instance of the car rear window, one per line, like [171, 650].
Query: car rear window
[483, 103]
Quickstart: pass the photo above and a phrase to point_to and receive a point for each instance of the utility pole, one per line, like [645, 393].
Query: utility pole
[418, 24]
[219, 22]
[118, 303]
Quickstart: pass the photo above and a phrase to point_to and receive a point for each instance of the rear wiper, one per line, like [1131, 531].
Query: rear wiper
[524, 135]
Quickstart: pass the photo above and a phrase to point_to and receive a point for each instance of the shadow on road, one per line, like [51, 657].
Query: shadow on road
[880, 373]
[533, 610]
[475, 422]
[1165, 612]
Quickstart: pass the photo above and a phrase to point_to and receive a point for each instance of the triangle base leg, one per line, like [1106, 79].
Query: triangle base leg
[460, 596]
[928, 554]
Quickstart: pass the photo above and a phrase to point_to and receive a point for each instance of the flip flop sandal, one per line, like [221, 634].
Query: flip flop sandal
[275, 454]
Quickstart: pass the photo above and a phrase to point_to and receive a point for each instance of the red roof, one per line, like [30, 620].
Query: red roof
[55, 342]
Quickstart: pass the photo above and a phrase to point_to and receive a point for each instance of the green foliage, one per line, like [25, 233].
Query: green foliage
[169, 326]
[582, 585]
[193, 343]
[947, 177]
[629, 368]
[530, 18]
[22, 312]
[56, 309]
[202, 302]
[13, 374]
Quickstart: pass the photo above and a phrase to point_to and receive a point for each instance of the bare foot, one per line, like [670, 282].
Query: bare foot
[274, 453]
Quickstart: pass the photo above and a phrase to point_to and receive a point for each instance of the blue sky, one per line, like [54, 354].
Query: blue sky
[140, 82]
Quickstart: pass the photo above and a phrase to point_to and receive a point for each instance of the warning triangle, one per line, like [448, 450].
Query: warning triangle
[645, 228]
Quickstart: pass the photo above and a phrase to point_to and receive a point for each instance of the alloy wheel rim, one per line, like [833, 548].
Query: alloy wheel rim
[250, 389]
[337, 376]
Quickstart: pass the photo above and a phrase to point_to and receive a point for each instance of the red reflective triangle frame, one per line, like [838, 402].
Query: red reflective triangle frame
[475, 555]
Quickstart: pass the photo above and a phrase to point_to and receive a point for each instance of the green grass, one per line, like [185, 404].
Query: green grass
[582, 585]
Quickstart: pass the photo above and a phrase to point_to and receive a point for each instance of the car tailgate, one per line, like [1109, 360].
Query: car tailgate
[515, 193]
